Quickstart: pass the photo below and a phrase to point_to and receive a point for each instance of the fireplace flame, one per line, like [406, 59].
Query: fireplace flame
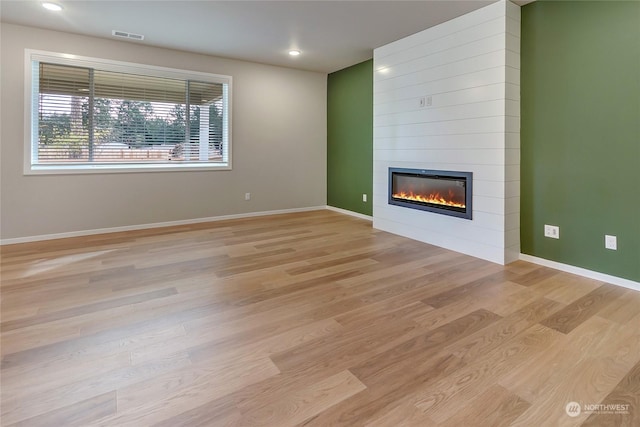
[433, 198]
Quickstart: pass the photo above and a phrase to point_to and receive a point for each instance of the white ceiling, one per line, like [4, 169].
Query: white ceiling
[331, 34]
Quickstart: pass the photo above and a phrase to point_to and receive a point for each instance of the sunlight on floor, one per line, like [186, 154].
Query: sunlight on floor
[42, 266]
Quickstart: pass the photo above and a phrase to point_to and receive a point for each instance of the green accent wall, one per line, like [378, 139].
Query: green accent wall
[580, 133]
[350, 138]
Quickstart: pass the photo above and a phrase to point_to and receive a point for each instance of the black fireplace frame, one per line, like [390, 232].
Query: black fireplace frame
[429, 207]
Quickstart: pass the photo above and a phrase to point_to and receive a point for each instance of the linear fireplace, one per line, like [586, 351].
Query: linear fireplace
[443, 192]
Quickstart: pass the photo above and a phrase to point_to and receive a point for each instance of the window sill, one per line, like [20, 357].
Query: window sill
[110, 168]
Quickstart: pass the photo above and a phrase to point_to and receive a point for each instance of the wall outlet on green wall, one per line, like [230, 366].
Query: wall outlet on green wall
[552, 231]
[611, 242]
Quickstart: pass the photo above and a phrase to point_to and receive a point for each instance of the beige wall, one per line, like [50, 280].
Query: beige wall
[279, 147]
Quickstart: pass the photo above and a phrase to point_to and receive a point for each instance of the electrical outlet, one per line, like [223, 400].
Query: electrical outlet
[552, 231]
[425, 101]
[364, 197]
[247, 196]
[611, 242]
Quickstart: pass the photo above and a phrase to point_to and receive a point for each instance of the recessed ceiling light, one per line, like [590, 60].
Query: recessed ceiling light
[52, 6]
[294, 52]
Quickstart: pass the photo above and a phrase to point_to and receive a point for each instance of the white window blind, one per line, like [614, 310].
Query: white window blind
[110, 117]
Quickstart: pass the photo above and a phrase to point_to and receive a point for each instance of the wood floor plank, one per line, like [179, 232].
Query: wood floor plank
[403, 414]
[84, 309]
[431, 340]
[57, 397]
[537, 376]
[209, 414]
[535, 276]
[473, 288]
[624, 309]
[265, 344]
[311, 318]
[156, 399]
[341, 350]
[565, 287]
[23, 383]
[512, 298]
[328, 276]
[589, 380]
[77, 414]
[386, 390]
[382, 313]
[495, 407]
[439, 401]
[303, 404]
[79, 343]
[491, 294]
[90, 356]
[583, 308]
[480, 342]
[626, 400]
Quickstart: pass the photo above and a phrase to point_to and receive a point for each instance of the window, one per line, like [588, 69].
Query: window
[87, 115]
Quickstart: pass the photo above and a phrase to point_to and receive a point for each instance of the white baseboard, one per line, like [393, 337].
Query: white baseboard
[614, 280]
[346, 212]
[152, 225]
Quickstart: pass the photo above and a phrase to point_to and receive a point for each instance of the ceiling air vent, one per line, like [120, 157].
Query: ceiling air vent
[125, 35]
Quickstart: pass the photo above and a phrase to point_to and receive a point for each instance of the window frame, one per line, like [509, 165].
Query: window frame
[31, 114]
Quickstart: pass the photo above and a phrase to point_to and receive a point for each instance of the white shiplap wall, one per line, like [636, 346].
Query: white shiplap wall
[470, 67]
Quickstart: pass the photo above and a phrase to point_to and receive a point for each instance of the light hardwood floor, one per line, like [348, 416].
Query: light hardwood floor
[308, 319]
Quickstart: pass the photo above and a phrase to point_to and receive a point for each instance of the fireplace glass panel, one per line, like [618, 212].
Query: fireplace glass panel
[443, 192]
